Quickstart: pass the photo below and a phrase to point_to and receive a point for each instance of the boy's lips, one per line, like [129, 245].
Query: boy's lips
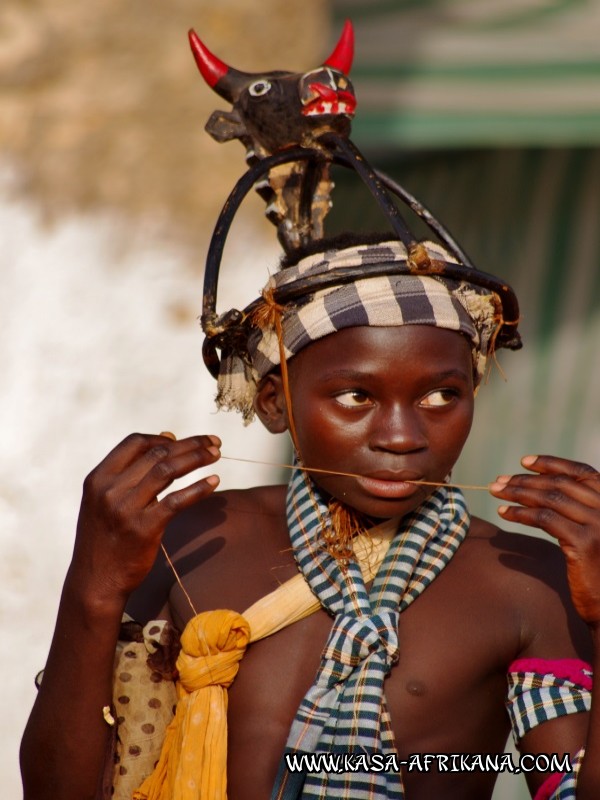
[390, 485]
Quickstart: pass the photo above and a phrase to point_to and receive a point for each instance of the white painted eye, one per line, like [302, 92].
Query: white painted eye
[259, 88]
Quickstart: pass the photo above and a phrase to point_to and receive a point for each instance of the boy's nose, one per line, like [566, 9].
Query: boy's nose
[397, 430]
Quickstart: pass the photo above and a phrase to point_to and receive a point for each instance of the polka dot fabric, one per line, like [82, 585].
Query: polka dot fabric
[144, 704]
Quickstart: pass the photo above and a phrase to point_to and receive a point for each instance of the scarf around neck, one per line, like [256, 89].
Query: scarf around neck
[345, 710]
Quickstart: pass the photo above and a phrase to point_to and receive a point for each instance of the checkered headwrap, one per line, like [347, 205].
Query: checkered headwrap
[345, 709]
[384, 300]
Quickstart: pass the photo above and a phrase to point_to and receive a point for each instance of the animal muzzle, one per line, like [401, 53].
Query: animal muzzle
[326, 92]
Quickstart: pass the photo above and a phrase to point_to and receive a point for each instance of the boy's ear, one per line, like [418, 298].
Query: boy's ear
[269, 404]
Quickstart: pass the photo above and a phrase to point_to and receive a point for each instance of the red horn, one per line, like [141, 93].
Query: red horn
[209, 65]
[225, 80]
[342, 56]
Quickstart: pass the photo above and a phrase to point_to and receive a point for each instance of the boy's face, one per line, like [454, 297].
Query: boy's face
[390, 404]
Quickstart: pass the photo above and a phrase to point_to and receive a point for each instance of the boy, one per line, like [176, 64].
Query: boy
[380, 401]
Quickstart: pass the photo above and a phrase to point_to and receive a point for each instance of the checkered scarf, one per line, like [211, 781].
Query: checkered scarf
[345, 710]
[381, 301]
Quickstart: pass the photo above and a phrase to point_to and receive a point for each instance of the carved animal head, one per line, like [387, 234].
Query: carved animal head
[275, 110]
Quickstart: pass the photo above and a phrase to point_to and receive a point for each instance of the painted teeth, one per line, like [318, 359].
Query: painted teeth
[327, 108]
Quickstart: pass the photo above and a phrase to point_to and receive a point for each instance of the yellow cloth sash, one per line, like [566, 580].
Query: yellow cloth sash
[193, 760]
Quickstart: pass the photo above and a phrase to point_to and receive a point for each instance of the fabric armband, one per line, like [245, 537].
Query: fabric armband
[562, 785]
[540, 689]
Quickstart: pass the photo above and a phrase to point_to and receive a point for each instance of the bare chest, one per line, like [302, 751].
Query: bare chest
[445, 694]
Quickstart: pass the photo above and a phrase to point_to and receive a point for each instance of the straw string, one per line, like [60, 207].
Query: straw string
[349, 474]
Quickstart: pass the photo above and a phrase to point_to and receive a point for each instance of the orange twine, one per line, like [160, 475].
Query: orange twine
[268, 315]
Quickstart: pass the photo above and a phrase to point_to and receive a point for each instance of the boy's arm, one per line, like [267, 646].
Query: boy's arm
[120, 528]
[563, 499]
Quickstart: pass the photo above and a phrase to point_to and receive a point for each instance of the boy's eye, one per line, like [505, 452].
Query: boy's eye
[353, 398]
[438, 398]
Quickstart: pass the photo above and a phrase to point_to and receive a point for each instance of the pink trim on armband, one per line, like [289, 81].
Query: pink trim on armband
[571, 669]
[548, 787]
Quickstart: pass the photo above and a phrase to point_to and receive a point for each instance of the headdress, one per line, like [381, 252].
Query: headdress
[294, 127]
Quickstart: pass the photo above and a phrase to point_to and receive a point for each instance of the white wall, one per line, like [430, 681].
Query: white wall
[99, 338]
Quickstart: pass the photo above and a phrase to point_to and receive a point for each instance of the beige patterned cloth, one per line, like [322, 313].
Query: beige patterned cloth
[144, 701]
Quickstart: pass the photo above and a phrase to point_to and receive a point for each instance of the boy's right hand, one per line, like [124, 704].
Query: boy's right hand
[121, 521]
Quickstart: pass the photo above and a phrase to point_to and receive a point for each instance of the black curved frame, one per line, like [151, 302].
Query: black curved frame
[344, 153]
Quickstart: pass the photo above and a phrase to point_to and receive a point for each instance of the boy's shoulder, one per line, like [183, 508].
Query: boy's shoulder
[526, 576]
[517, 561]
[268, 497]
[494, 540]
[218, 547]
[231, 515]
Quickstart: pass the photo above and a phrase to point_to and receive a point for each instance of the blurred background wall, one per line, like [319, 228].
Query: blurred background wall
[109, 189]
[488, 110]
[490, 113]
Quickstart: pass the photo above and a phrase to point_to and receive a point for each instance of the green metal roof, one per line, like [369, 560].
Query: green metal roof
[439, 73]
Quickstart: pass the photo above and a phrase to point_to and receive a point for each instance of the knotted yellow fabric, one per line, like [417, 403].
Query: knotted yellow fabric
[212, 645]
[193, 760]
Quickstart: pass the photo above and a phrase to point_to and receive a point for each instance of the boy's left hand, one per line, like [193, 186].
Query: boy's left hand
[563, 499]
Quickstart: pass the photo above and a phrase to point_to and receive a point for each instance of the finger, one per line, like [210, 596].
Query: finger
[128, 451]
[177, 501]
[552, 465]
[557, 492]
[176, 464]
[546, 519]
[132, 447]
[554, 501]
[162, 450]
